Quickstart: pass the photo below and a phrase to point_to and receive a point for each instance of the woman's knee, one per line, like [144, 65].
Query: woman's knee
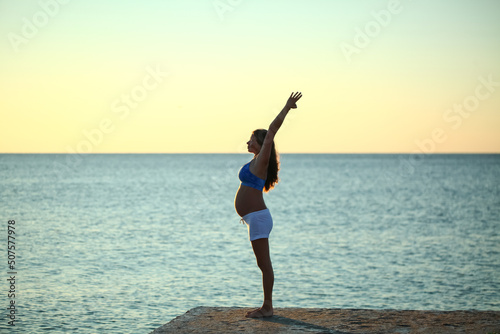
[265, 265]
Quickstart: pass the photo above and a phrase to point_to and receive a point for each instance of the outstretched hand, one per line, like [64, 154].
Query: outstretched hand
[292, 100]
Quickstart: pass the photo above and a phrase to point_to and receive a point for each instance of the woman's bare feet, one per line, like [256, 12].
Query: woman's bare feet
[265, 311]
[246, 315]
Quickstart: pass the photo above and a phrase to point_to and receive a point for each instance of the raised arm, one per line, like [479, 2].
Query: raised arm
[265, 151]
[290, 104]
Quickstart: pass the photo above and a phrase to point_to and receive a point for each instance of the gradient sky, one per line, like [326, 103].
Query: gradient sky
[199, 75]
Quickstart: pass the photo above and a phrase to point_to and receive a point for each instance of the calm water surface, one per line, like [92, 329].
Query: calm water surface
[125, 243]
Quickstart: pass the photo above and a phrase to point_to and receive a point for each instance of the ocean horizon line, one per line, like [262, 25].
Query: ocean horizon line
[241, 153]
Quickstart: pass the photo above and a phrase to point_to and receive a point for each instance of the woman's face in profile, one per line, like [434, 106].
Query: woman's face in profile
[253, 146]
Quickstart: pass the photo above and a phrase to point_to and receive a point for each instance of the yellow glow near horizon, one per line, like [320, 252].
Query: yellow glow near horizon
[195, 77]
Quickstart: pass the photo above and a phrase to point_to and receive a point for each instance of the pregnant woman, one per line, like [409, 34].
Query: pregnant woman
[261, 174]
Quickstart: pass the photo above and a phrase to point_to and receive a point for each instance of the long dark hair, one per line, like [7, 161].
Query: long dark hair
[273, 167]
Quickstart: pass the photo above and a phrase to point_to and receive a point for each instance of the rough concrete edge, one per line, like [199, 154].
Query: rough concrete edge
[193, 313]
[186, 317]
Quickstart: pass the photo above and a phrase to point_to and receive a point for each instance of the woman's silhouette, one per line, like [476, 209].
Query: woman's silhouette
[261, 173]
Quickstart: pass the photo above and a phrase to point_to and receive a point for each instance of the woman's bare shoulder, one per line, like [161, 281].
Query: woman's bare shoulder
[259, 167]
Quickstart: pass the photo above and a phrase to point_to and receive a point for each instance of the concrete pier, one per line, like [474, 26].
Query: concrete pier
[322, 320]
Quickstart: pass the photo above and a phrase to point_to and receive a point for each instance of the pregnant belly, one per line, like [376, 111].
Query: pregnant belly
[248, 200]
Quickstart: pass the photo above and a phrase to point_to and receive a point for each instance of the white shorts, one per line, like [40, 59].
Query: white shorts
[259, 223]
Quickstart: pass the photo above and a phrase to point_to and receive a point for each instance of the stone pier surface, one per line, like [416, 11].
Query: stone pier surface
[323, 320]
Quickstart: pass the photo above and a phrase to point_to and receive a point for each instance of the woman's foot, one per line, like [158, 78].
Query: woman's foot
[246, 315]
[260, 313]
[265, 311]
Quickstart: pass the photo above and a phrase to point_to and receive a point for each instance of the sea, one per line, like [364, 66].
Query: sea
[124, 243]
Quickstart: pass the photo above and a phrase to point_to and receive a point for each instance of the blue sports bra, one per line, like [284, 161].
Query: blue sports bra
[248, 179]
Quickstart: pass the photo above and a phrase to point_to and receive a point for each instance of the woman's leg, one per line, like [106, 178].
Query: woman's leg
[261, 251]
